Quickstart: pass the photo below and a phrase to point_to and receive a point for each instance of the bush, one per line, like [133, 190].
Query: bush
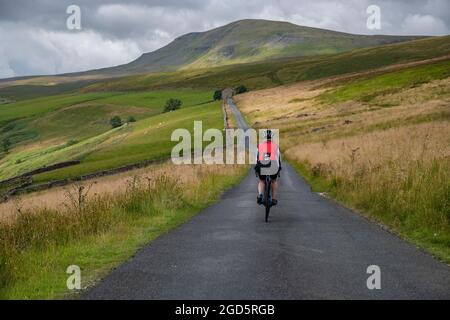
[6, 144]
[116, 122]
[240, 89]
[131, 119]
[217, 95]
[172, 105]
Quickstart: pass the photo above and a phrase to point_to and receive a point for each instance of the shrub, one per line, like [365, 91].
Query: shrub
[217, 95]
[172, 105]
[240, 89]
[131, 119]
[115, 122]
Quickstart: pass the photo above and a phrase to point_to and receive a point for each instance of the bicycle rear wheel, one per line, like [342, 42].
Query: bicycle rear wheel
[267, 200]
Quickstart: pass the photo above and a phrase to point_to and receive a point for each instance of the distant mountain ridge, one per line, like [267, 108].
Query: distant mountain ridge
[241, 41]
[248, 41]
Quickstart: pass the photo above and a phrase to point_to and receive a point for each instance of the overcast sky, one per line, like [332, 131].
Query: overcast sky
[35, 40]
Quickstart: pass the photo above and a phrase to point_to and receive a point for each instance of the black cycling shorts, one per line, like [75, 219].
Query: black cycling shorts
[263, 177]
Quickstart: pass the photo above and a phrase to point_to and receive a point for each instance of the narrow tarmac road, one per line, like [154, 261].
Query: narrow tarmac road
[312, 248]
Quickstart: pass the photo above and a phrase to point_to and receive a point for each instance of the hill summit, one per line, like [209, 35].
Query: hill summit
[249, 41]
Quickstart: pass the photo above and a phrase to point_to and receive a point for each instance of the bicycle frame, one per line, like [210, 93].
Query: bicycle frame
[268, 196]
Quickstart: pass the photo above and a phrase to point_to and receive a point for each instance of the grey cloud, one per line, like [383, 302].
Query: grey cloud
[117, 31]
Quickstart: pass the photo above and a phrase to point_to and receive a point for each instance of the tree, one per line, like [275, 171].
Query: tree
[217, 95]
[6, 144]
[172, 105]
[241, 89]
[131, 119]
[115, 122]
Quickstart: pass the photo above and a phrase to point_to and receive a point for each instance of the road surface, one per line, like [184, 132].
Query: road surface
[312, 248]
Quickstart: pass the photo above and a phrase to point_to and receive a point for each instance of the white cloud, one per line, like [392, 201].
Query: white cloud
[49, 52]
[87, 50]
[5, 70]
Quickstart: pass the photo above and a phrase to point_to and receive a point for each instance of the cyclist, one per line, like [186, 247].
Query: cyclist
[268, 162]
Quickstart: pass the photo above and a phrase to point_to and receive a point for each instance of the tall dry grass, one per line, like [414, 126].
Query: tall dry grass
[86, 212]
[402, 175]
[57, 198]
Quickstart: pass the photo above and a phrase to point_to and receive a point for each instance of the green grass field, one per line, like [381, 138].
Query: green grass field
[15, 116]
[31, 91]
[77, 127]
[367, 89]
[148, 139]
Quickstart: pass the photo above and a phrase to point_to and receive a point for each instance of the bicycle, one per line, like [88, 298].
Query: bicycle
[268, 196]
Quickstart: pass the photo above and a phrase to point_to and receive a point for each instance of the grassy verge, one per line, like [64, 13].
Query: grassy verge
[413, 202]
[98, 233]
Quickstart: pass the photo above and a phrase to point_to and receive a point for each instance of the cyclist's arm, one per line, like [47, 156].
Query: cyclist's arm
[257, 156]
[279, 157]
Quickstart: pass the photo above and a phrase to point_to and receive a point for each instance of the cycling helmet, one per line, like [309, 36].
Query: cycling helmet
[268, 134]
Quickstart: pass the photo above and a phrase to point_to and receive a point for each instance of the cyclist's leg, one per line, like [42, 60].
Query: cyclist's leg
[261, 185]
[275, 188]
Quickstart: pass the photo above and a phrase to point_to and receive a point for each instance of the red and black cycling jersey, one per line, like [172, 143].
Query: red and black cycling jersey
[268, 154]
